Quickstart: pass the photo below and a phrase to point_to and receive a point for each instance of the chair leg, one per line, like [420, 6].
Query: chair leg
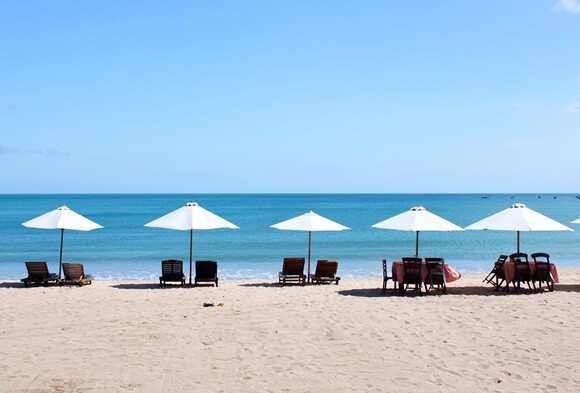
[499, 284]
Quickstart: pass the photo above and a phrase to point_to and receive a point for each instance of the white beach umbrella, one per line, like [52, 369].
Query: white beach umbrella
[417, 219]
[575, 221]
[518, 218]
[62, 218]
[310, 222]
[190, 217]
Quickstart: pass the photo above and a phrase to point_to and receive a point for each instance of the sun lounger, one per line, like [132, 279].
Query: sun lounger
[74, 273]
[206, 271]
[325, 272]
[38, 274]
[292, 271]
[172, 271]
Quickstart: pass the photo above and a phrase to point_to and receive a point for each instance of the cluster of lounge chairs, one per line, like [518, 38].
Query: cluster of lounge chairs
[293, 272]
[73, 274]
[522, 272]
[172, 271]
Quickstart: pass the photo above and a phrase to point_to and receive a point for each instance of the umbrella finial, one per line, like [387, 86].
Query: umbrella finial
[518, 206]
[192, 203]
[417, 208]
[63, 207]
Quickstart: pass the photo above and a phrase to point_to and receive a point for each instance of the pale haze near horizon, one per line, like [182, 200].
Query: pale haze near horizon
[290, 96]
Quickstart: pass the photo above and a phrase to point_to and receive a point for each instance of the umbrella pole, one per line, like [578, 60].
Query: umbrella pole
[60, 262]
[518, 240]
[309, 241]
[417, 244]
[190, 253]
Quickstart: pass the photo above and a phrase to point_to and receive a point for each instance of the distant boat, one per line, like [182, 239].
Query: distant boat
[485, 196]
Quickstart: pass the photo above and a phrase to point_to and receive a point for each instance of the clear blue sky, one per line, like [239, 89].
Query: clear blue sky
[290, 96]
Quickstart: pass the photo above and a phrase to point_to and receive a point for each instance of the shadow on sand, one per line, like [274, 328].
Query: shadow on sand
[148, 286]
[15, 284]
[268, 285]
[454, 291]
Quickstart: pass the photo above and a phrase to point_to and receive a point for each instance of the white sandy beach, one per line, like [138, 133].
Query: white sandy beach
[137, 337]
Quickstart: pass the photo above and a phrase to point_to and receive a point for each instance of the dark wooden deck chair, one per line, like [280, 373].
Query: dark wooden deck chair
[413, 274]
[523, 273]
[435, 274]
[74, 273]
[38, 274]
[496, 274]
[172, 271]
[292, 271]
[386, 277]
[543, 271]
[325, 272]
[206, 271]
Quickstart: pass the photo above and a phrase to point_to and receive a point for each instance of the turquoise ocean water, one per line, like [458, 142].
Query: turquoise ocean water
[126, 250]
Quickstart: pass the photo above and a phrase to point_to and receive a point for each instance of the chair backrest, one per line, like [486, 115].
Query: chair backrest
[522, 265]
[519, 257]
[543, 268]
[498, 266]
[413, 268]
[326, 268]
[206, 270]
[385, 272]
[435, 265]
[293, 266]
[541, 257]
[501, 259]
[171, 267]
[73, 271]
[37, 270]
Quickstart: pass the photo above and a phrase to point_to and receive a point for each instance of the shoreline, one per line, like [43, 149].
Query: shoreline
[138, 337]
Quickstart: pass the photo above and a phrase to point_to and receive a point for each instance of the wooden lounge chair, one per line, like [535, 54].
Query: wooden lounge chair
[386, 277]
[496, 274]
[325, 272]
[172, 271]
[74, 273]
[413, 274]
[292, 271]
[543, 271]
[206, 271]
[38, 274]
[523, 273]
[435, 274]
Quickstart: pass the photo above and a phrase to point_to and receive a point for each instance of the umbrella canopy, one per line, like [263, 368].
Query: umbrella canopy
[310, 222]
[518, 217]
[575, 221]
[190, 217]
[62, 218]
[415, 220]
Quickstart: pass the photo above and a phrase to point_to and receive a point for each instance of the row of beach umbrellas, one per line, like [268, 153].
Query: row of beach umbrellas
[192, 217]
